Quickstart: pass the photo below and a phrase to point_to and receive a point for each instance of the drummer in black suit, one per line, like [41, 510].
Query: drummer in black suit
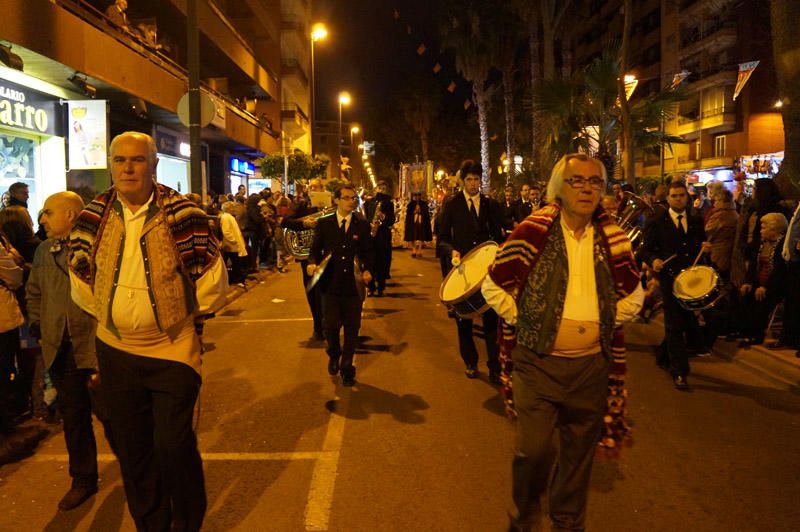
[469, 218]
[675, 232]
[346, 238]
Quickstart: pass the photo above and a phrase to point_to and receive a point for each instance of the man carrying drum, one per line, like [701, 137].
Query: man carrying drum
[468, 219]
[672, 242]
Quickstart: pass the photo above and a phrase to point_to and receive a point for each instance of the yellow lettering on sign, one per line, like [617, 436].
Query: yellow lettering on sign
[18, 109]
[40, 119]
[5, 112]
[29, 111]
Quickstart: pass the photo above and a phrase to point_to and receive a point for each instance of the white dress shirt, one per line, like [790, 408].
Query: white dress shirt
[339, 219]
[674, 215]
[476, 200]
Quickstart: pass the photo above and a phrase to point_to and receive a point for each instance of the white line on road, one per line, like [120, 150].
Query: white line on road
[209, 457]
[259, 320]
[323, 480]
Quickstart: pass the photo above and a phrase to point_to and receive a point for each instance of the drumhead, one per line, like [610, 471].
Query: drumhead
[465, 278]
[695, 282]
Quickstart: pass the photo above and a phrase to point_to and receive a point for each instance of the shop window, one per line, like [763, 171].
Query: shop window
[719, 146]
[17, 163]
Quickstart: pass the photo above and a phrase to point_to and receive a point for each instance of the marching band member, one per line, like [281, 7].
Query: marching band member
[380, 211]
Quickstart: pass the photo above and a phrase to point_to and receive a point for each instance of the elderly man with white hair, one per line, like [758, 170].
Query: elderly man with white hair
[567, 279]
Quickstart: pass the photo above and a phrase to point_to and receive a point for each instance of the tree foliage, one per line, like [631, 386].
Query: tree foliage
[302, 166]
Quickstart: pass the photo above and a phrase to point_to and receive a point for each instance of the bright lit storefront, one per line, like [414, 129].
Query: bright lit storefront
[240, 172]
[32, 144]
[173, 160]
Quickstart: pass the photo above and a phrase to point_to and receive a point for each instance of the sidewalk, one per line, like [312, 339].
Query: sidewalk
[27, 435]
[780, 367]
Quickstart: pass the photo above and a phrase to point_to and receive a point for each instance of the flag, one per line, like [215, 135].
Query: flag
[452, 87]
[436, 68]
[421, 49]
[396, 14]
[678, 78]
[745, 71]
[467, 104]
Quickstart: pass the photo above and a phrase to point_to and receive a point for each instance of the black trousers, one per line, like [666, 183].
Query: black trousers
[235, 272]
[556, 393]
[466, 343]
[150, 406]
[10, 403]
[790, 335]
[677, 322]
[314, 298]
[342, 311]
[75, 402]
[383, 262]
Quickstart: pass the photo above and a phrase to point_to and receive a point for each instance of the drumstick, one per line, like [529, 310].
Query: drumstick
[698, 257]
[664, 263]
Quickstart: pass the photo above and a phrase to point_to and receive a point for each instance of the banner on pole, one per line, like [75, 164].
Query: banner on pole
[745, 71]
[87, 134]
[678, 78]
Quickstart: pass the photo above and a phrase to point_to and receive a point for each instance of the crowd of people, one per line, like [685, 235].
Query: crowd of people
[89, 319]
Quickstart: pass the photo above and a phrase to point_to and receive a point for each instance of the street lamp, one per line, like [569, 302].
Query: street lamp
[344, 100]
[318, 33]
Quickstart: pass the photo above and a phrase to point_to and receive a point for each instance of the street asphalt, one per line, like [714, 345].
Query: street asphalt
[416, 446]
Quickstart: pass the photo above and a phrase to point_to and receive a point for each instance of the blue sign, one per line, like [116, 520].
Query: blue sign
[242, 167]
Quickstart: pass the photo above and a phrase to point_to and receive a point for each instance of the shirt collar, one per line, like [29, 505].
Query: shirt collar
[675, 214]
[587, 232]
[129, 215]
[339, 217]
[476, 198]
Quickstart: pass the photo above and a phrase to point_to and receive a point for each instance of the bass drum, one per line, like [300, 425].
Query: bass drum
[461, 289]
[697, 288]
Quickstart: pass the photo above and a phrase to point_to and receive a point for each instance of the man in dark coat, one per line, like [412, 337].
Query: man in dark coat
[523, 206]
[345, 237]
[675, 232]
[380, 214]
[469, 218]
[299, 222]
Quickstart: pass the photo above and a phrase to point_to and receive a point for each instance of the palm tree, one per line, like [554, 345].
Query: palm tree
[419, 106]
[468, 33]
[582, 112]
[784, 15]
[625, 112]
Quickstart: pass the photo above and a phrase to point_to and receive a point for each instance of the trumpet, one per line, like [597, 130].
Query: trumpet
[298, 243]
[377, 218]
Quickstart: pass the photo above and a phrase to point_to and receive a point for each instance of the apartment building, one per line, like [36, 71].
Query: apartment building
[91, 70]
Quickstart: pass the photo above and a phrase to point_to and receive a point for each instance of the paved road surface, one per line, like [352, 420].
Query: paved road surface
[416, 446]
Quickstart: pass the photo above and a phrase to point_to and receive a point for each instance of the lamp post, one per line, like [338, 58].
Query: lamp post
[352, 153]
[344, 100]
[318, 32]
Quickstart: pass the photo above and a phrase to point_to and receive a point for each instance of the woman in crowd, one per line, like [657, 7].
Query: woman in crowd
[762, 288]
[418, 224]
[255, 230]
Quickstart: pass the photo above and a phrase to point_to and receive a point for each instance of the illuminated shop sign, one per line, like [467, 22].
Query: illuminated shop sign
[28, 109]
[242, 167]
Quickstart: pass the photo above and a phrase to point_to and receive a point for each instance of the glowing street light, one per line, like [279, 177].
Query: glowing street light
[318, 33]
[344, 100]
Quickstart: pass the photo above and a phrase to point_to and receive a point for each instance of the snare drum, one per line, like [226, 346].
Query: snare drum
[697, 287]
[461, 289]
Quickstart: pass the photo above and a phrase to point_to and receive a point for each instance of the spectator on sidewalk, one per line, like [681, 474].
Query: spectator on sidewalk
[764, 282]
[790, 253]
[233, 246]
[149, 323]
[67, 336]
[10, 320]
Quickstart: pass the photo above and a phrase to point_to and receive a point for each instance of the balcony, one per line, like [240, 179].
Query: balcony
[715, 37]
[294, 121]
[693, 9]
[715, 121]
[711, 77]
[294, 76]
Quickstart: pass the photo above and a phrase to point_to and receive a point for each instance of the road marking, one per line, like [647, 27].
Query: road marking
[323, 480]
[259, 320]
[209, 457]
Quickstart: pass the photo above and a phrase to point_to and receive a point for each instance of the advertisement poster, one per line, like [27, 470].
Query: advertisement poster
[88, 134]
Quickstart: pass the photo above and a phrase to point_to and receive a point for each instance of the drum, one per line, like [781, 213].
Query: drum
[461, 289]
[697, 287]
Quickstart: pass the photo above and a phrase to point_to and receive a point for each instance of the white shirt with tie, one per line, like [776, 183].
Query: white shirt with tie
[476, 200]
[675, 219]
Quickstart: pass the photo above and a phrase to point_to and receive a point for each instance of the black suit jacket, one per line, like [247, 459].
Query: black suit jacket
[384, 233]
[521, 210]
[458, 229]
[663, 239]
[339, 276]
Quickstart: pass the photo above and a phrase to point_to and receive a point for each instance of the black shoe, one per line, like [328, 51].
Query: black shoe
[76, 496]
[494, 378]
[380, 293]
[348, 376]
[471, 372]
[333, 366]
[318, 337]
[680, 382]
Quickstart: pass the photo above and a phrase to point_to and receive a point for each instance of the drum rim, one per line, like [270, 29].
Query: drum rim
[469, 294]
[714, 288]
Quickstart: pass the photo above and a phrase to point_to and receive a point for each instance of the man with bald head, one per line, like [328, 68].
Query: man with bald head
[144, 262]
[67, 335]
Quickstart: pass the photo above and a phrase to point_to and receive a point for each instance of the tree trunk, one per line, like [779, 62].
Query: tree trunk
[784, 15]
[482, 103]
[533, 46]
[628, 163]
[508, 100]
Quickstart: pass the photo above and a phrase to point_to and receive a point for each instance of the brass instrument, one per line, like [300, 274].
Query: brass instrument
[377, 218]
[634, 207]
[298, 243]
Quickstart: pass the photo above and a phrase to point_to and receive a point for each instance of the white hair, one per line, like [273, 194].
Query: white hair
[151, 144]
[557, 175]
[776, 221]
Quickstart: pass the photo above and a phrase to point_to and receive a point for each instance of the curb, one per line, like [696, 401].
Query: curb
[780, 367]
[22, 442]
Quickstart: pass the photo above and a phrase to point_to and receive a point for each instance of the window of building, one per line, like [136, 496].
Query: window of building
[719, 146]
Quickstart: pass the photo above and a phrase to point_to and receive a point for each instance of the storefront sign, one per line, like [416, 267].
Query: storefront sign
[170, 144]
[87, 134]
[239, 166]
[28, 109]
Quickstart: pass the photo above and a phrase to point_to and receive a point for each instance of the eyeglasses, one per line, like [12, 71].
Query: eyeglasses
[576, 181]
[347, 197]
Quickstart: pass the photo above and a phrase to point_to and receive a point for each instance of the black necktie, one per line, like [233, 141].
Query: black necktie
[472, 210]
[344, 226]
[680, 224]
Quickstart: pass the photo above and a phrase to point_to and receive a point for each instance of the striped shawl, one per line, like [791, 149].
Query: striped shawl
[514, 262]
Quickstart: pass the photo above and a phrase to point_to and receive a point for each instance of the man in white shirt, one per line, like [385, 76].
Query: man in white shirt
[567, 279]
[145, 264]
